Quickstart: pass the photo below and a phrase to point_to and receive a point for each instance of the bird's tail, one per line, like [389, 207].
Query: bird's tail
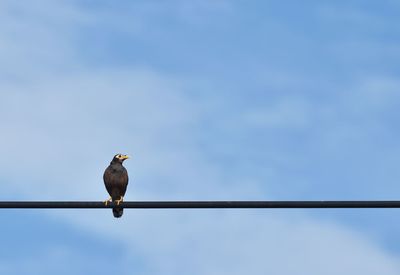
[117, 212]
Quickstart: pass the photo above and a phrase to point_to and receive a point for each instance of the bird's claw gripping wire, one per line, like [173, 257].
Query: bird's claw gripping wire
[120, 200]
[107, 201]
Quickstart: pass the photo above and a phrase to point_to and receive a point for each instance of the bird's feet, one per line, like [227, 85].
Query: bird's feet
[107, 201]
[120, 200]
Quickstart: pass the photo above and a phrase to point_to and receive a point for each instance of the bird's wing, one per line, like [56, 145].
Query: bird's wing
[108, 179]
[123, 183]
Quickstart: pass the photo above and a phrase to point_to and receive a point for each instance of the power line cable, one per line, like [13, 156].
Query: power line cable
[201, 204]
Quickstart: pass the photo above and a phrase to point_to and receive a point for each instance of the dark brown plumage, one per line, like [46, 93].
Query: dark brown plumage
[116, 181]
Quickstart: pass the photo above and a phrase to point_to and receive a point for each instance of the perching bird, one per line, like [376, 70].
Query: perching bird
[116, 180]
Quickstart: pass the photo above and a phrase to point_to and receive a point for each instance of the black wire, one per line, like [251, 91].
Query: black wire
[202, 204]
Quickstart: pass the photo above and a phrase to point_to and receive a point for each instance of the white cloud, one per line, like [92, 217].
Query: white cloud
[239, 241]
[72, 121]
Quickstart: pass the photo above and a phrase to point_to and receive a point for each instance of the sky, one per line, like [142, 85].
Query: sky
[214, 100]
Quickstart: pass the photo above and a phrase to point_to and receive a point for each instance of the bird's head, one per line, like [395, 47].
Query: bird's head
[119, 158]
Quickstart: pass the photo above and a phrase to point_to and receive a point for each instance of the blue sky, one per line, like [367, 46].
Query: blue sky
[268, 100]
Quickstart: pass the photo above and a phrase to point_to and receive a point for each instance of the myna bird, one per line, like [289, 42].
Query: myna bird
[116, 180]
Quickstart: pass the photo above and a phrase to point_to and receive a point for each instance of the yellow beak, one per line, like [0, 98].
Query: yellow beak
[124, 157]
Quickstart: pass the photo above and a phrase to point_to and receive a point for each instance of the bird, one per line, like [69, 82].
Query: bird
[116, 181]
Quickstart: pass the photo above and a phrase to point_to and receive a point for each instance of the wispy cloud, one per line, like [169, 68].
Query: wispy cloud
[245, 241]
